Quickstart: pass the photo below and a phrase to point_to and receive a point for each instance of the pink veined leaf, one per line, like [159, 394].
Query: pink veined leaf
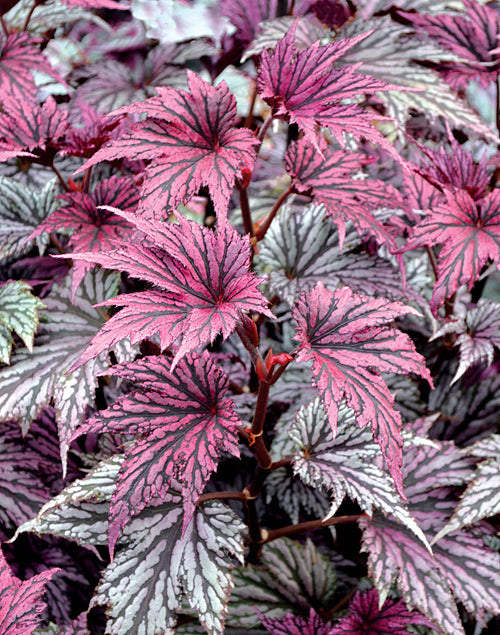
[202, 285]
[191, 139]
[296, 625]
[327, 176]
[419, 194]
[94, 229]
[473, 37]
[185, 423]
[303, 87]
[345, 336]
[27, 129]
[469, 232]
[21, 603]
[19, 56]
[365, 616]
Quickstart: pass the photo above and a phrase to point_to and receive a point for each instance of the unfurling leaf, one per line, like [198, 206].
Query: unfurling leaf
[346, 337]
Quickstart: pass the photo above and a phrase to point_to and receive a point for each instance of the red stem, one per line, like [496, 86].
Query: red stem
[273, 534]
[262, 231]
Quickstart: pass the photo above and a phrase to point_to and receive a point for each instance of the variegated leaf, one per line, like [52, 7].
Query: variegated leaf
[21, 211]
[202, 285]
[346, 465]
[34, 379]
[345, 336]
[185, 422]
[388, 53]
[302, 248]
[19, 313]
[291, 577]
[169, 569]
[481, 498]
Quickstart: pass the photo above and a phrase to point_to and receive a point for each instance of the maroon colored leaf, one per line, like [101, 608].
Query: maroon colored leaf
[19, 57]
[474, 38]
[192, 141]
[185, 424]
[303, 87]
[365, 616]
[94, 228]
[346, 337]
[327, 176]
[27, 129]
[94, 130]
[21, 603]
[296, 625]
[202, 285]
[469, 233]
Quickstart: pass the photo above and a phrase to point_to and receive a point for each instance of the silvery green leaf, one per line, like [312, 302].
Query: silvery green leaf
[290, 577]
[21, 211]
[19, 313]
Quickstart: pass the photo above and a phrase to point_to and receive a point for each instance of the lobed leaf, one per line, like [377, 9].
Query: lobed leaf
[345, 336]
[202, 286]
[185, 422]
[295, 625]
[192, 141]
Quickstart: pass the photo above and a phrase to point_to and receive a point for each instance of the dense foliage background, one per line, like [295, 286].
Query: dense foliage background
[249, 317]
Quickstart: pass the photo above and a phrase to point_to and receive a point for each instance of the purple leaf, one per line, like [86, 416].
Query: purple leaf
[303, 87]
[202, 279]
[185, 423]
[345, 336]
[294, 625]
[192, 141]
[247, 16]
[327, 176]
[365, 616]
[469, 232]
[21, 603]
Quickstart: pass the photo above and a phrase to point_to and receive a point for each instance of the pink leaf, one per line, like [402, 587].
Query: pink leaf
[296, 625]
[346, 337]
[185, 423]
[21, 603]
[365, 616]
[303, 87]
[328, 177]
[469, 233]
[202, 285]
[192, 141]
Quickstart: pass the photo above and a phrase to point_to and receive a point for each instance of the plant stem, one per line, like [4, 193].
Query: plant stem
[212, 496]
[246, 213]
[265, 127]
[273, 534]
[60, 178]
[249, 117]
[86, 180]
[279, 202]
[432, 260]
[259, 447]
